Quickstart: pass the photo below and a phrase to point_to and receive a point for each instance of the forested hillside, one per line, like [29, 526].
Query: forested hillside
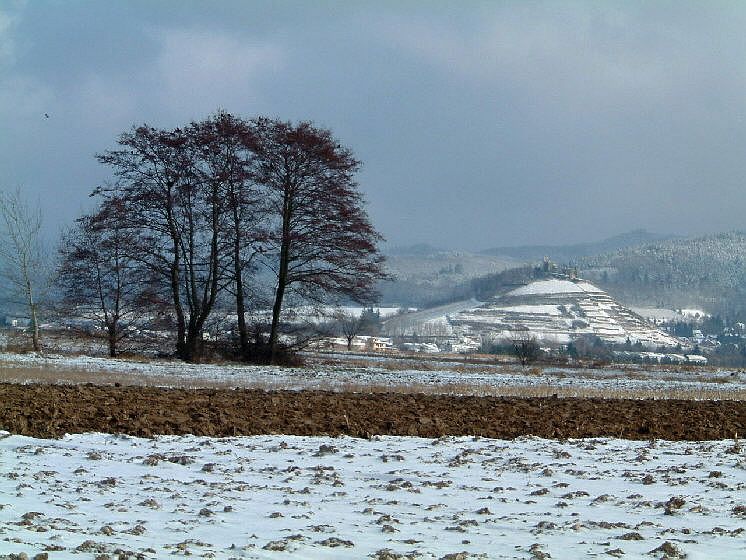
[706, 271]
[426, 276]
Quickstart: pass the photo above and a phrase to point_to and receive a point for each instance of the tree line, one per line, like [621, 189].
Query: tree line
[194, 216]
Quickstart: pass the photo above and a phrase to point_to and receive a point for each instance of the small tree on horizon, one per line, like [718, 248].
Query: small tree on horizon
[349, 324]
[24, 262]
[371, 323]
[525, 347]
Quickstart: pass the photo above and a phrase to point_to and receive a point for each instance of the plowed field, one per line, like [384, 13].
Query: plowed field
[50, 411]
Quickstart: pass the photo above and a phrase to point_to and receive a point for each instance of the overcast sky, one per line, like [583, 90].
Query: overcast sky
[479, 124]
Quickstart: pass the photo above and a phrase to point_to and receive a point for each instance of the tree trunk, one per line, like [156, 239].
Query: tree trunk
[112, 337]
[276, 310]
[282, 277]
[32, 312]
[175, 276]
[243, 335]
[193, 346]
[35, 329]
[176, 293]
[200, 305]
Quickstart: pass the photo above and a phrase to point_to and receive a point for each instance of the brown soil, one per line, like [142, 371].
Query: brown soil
[50, 411]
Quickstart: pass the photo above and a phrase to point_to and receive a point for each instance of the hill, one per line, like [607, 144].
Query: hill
[707, 272]
[558, 311]
[426, 276]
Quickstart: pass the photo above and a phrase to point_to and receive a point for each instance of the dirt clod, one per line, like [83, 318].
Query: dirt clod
[673, 504]
[668, 550]
[334, 542]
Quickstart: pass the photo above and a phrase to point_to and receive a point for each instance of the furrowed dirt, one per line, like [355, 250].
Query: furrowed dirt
[50, 411]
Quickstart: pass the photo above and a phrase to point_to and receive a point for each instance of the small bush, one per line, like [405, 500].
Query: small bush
[284, 355]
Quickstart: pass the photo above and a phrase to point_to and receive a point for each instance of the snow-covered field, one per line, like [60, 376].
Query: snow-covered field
[391, 497]
[432, 376]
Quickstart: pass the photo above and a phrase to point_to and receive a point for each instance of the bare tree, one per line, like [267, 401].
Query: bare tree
[206, 200]
[321, 241]
[349, 324]
[24, 262]
[99, 278]
[227, 146]
[171, 196]
[525, 346]
[153, 178]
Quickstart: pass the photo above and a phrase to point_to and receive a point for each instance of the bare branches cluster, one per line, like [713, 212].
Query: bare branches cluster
[525, 346]
[100, 276]
[193, 212]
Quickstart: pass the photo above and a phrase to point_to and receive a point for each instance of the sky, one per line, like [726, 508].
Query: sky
[478, 124]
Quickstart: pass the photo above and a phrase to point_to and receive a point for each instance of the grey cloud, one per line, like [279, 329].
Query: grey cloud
[478, 124]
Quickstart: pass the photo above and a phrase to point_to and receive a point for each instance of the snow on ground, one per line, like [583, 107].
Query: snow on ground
[694, 313]
[391, 497]
[553, 286]
[537, 309]
[381, 372]
[662, 314]
[658, 314]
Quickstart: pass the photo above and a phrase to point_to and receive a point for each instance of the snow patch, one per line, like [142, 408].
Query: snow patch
[553, 286]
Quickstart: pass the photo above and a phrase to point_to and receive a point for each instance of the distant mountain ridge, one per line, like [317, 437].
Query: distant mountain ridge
[416, 250]
[571, 252]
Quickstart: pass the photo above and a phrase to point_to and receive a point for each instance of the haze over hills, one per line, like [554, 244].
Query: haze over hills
[426, 275]
[565, 253]
[418, 249]
[637, 268]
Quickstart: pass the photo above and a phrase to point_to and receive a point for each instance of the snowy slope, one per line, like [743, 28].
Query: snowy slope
[554, 286]
[558, 311]
[434, 319]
